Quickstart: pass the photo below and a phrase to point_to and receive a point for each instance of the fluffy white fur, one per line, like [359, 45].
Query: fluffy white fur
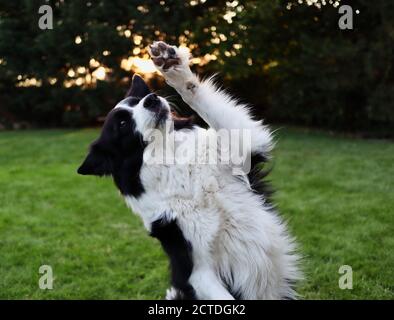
[234, 233]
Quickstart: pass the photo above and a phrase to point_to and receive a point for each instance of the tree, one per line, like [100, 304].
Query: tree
[290, 59]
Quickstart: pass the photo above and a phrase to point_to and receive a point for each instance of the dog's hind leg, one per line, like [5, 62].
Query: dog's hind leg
[176, 294]
[207, 285]
[179, 251]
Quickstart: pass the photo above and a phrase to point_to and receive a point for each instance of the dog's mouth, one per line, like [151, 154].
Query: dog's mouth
[161, 116]
[156, 106]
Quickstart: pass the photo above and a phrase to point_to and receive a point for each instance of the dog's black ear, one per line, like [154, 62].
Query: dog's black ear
[138, 88]
[97, 163]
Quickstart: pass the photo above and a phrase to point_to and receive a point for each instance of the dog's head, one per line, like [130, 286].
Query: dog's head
[119, 149]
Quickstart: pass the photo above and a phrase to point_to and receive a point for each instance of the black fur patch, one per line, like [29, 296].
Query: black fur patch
[183, 123]
[132, 101]
[138, 88]
[117, 152]
[179, 251]
[257, 177]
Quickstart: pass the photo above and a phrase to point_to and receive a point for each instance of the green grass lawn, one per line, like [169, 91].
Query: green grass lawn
[336, 193]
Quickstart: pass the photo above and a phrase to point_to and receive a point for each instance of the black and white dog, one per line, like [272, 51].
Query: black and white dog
[223, 238]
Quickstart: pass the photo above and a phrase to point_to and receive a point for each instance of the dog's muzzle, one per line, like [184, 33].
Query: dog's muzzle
[153, 103]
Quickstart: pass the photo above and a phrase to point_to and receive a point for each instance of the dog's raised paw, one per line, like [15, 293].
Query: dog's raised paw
[164, 56]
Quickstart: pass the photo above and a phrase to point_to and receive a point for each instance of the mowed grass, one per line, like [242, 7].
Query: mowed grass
[336, 194]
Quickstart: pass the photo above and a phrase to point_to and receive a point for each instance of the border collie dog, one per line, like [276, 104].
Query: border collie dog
[223, 238]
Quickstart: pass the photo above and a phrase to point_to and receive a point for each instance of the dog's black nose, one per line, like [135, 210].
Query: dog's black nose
[152, 101]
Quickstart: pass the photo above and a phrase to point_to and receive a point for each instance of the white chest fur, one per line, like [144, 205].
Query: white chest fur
[177, 188]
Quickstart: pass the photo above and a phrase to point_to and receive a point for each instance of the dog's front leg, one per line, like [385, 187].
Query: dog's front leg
[191, 273]
[173, 63]
[215, 106]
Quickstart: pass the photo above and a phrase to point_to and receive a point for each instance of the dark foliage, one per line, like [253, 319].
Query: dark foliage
[294, 65]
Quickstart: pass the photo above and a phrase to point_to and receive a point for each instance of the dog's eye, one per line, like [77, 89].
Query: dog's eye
[123, 124]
